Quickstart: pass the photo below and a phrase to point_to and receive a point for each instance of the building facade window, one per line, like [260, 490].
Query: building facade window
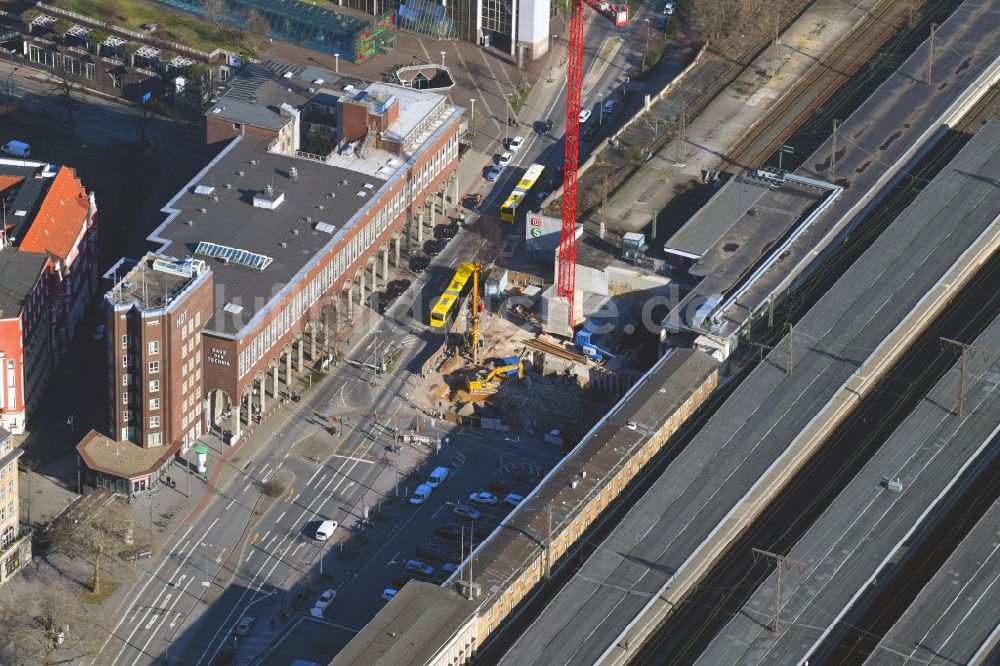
[154, 385]
[155, 439]
[154, 403]
[154, 366]
[154, 421]
[154, 346]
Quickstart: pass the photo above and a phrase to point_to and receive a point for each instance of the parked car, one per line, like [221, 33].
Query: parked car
[449, 531]
[421, 494]
[513, 499]
[445, 231]
[326, 599]
[245, 625]
[419, 264]
[483, 498]
[590, 133]
[388, 593]
[472, 201]
[584, 115]
[433, 554]
[432, 248]
[505, 159]
[611, 106]
[669, 8]
[437, 476]
[225, 655]
[467, 511]
[498, 487]
[494, 173]
[515, 144]
[450, 568]
[397, 287]
[419, 568]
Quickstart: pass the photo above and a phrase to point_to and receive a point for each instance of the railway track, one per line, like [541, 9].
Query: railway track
[819, 84]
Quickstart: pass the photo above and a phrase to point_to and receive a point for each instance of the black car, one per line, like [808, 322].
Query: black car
[449, 531]
[544, 127]
[432, 554]
[498, 487]
[445, 231]
[397, 288]
[384, 301]
[432, 248]
[590, 133]
[419, 264]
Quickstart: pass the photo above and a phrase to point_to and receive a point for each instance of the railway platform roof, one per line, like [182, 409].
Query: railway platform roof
[672, 529]
[855, 543]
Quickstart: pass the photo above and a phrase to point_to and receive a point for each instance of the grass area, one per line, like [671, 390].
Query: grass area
[108, 588]
[522, 97]
[172, 25]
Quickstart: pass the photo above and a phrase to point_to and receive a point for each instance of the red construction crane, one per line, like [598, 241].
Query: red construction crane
[617, 14]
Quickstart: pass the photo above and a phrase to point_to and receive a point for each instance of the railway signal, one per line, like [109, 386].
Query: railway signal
[967, 351]
[780, 561]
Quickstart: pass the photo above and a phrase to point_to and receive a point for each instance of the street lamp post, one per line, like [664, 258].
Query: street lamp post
[600, 98]
[506, 108]
[645, 46]
[472, 103]
[442, 59]
[336, 61]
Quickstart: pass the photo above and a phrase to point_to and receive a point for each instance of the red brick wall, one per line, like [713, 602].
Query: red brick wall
[353, 120]
[218, 131]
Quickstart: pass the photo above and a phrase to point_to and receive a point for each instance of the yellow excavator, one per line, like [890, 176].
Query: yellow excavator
[488, 383]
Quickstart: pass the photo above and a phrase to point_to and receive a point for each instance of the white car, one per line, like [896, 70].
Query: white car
[388, 593]
[584, 115]
[515, 144]
[421, 494]
[513, 499]
[245, 625]
[483, 498]
[326, 598]
[505, 159]
[669, 8]
[419, 568]
[494, 173]
[465, 510]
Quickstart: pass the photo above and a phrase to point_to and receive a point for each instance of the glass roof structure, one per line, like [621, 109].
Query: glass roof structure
[314, 27]
[233, 255]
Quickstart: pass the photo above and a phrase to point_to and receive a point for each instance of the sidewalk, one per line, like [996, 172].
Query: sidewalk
[725, 120]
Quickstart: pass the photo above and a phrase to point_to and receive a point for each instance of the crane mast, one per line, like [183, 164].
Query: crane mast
[567, 237]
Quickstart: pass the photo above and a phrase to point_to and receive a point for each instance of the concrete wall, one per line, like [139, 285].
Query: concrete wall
[533, 27]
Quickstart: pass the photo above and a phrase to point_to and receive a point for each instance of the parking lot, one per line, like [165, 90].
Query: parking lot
[432, 532]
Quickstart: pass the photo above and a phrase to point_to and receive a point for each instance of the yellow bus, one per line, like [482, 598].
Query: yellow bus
[531, 179]
[445, 305]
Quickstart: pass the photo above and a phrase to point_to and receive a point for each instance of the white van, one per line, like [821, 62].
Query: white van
[437, 477]
[325, 530]
[421, 494]
[17, 148]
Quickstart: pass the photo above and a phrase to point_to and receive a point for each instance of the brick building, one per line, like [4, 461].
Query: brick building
[261, 247]
[15, 538]
[48, 265]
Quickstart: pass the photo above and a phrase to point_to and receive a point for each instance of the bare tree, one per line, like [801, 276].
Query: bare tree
[66, 84]
[89, 537]
[50, 627]
[255, 30]
[217, 13]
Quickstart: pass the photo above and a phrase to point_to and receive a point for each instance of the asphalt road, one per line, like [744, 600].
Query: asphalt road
[167, 611]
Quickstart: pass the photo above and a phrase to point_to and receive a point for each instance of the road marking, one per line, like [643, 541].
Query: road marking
[151, 622]
[250, 555]
[318, 470]
[264, 468]
[434, 515]
[219, 558]
[230, 503]
[393, 559]
[281, 516]
[361, 460]
[248, 486]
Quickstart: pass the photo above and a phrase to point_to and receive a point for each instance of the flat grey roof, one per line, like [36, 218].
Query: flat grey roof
[759, 421]
[716, 217]
[19, 273]
[850, 544]
[234, 222]
[254, 95]
[147, 286]
[954, 619]
[410, 628]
